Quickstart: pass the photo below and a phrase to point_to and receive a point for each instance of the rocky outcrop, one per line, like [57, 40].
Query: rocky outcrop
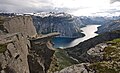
[19, 55]
[13, 53]
[94, 54]
[66, 24]
[79, 68]
[21, 49]
[40, 55]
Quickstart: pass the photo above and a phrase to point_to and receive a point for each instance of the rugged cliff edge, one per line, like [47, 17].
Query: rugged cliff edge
[21, 49]
[20, 24]
[41, 53]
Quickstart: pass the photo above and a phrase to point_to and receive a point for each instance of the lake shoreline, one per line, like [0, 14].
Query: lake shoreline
[66, 42]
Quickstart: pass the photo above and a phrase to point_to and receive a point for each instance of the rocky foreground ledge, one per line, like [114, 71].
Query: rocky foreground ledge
[21, 49]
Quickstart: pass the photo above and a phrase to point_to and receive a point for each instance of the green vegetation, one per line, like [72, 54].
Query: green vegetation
[111, 63]
[113, 51]
[3, 48]
[115, 42]
[1, 20]
[60, 61]
[105, 67]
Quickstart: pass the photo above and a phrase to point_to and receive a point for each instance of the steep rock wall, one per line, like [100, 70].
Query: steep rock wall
[21, 24]
[41, 53]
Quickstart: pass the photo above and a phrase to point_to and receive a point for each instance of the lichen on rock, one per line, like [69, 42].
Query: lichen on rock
[3, 48]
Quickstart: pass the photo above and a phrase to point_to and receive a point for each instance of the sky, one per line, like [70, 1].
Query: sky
[75, 7]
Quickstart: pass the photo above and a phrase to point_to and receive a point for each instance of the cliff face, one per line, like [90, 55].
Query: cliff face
[39, 58]
[40, 55]
[66, 24]
[21, 49]
[20, 24]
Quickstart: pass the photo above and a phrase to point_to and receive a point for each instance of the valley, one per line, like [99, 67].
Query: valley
[59, 43]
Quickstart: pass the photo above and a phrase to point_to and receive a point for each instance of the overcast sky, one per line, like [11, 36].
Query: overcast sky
[75, 7]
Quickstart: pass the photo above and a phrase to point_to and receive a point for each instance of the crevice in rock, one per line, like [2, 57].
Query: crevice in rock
[17, 56]
[0, 67]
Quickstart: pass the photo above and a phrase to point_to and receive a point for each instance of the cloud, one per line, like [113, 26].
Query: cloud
[76, 7]
[112, 1]
[28, 6]
[23, 5]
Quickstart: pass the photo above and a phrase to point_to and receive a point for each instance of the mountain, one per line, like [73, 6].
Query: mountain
[89, 20]
[66, 24]
[109, 26]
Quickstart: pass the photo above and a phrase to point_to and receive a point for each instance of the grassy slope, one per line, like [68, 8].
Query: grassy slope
[60, 61]
[3, 48]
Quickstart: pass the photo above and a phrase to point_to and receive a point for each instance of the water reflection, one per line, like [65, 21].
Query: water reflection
[89, 32]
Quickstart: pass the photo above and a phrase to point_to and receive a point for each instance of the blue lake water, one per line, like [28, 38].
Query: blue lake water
[64, 42]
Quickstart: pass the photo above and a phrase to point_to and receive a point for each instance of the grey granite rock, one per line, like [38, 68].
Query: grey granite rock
[14, 59]
[21, 24]
[94, 54]
[40, 54]
[78, 68]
